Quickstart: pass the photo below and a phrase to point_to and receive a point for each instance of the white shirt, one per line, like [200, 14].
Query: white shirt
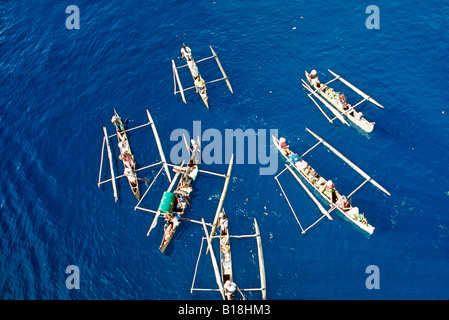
[186, 52]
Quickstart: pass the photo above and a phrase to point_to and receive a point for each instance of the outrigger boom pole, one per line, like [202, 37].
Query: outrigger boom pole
[352, 165]
[114, 187]
[223, 196]
[159, 146]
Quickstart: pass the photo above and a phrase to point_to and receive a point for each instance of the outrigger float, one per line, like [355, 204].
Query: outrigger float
[126, 155]
[324, 187]
[336, 102]
[172, 204]
[225, 276]
[192, 65]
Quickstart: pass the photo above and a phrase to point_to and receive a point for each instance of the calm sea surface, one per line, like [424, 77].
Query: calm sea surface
[58, 88]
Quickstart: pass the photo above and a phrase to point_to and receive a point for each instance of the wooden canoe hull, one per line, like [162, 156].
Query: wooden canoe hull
[133, 182]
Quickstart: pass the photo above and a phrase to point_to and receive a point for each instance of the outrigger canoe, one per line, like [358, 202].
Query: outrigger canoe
[334, 198]
[174, 204]
[126, 155]
[192, 65]
[337, 107]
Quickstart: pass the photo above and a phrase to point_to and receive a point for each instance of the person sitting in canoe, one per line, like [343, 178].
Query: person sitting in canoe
[171, 224]
[185, 186]
[229, 288]
[200, 85]
[192, 173]
[118, 122]
[314, 176]
[344, 203]
[127, 159]
[329, 191]
[314, 81]
[130, 174]
[115, 119]
[223, 222]
[284, 147]
[181, 203]
[186, 52]
[124, 146]
[342, 102]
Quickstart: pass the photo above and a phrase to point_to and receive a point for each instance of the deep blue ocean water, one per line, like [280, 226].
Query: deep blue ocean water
[59, 88]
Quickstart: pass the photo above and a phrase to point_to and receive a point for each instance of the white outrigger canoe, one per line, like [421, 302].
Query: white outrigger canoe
[222, 278]
[192, 65]
[226, 261]
[330, 99]
[318, 183]
[122, 137]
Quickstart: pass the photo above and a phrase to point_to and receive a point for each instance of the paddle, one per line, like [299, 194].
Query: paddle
[187, 219]
[244, 298]
[146, 180]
